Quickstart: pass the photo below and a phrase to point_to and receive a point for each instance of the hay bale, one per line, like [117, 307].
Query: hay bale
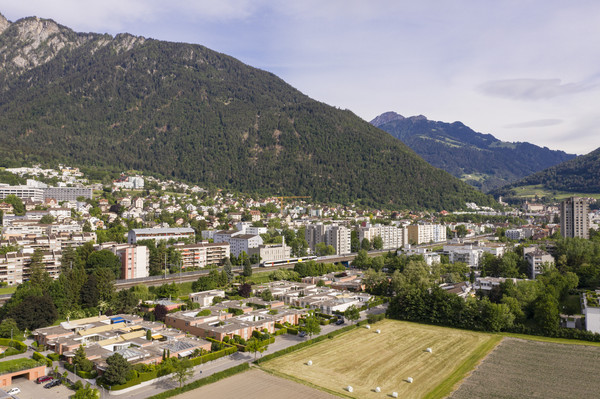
[394, 394]
[409, 380]
[309, 363]
[349, 388]
[378, 331]
[377, 389]
[429, 350]
[368, 327]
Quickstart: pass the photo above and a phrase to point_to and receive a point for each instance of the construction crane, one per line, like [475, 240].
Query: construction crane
[282, 198]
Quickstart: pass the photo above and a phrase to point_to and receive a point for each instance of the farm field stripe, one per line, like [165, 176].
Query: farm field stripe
[447, 386]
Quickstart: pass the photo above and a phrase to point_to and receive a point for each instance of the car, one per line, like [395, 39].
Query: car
[43, 379]
[14, 391]
[339, 322]
[302, 334]
[52, 384]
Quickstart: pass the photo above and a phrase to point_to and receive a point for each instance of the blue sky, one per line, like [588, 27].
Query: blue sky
[520, 70]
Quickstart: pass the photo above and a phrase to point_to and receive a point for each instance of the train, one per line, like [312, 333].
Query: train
[290, 261]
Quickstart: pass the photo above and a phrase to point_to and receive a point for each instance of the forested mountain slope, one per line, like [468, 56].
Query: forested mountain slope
[185, 111]
[478, 159]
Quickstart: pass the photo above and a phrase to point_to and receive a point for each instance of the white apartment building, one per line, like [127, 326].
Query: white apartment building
[337, 236]
[472, 253]
[23, 192]
[135, 260]
[537, 259]
[426, 233]
[14, 266]
[393, 237]
[204, 254]
[244, 243]
[164, 234]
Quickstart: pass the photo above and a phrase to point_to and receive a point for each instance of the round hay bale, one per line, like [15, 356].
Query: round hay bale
[394, 394]
[368, 327]
[309, 363]
[429, 350]
[377, 389]
[409, 380]
[378, 331]
[349, 388]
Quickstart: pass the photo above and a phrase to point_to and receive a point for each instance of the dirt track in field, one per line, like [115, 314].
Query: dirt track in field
[256, 384]
[531, 369]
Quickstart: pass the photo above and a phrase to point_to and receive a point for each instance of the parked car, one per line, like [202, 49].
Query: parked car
[339, 322]
[52, 384]
[14, 391]
[302, 334]
[43, 379]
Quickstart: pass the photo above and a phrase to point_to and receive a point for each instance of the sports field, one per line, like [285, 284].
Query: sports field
[365, 360]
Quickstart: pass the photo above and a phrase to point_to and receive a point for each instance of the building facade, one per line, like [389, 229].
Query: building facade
[574, 218]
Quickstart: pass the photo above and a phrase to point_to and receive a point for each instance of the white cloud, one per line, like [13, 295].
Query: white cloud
[536, 123]
[531, 89]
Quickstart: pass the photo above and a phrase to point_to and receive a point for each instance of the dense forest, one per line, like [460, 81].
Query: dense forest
[184, 111]
[578, 175]
[461, 151]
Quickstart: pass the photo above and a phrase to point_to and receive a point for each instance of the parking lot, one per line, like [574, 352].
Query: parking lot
[31, 390]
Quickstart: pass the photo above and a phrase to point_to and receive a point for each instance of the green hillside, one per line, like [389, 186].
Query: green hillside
[185, 111]
[580, 175]
[478, 159]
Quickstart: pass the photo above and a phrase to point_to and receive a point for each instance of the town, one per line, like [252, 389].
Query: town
[121, 284]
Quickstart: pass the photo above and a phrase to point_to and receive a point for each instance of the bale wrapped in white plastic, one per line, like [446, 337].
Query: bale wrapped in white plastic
[309, 363]
[378, 331]
[409, 380]
[429, 350]
[368, 327]
[377, 389]
[394, 394]
[349, 388]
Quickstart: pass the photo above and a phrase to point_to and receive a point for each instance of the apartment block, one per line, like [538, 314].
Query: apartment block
[164, 234]
[574, 220]
[202, 255]
[393, 237]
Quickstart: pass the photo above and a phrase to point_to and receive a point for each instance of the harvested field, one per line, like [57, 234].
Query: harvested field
[530, 369]
[255, 384]
[365, 360]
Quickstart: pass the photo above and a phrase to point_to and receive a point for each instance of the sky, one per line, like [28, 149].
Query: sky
[521, 70]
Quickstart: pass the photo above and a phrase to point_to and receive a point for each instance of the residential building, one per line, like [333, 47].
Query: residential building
[273, 252]
[574, 218]
[337, 236]
[244, 243]
[23, 192]
[393, 237]
[67, 193]
[204, 254]
[537, 260]
[163, 234]
[135, 259]
[471, 253]
[426, 233]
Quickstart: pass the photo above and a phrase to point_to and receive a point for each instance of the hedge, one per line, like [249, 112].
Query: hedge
[214, 355]
[324, 322]
[81, 373]
[202, 382]
[306, 343]
[293, 331]
[143, 377]
[281, 331]
[39, 357]
[279, 325]
[54, 356]
[18, 345]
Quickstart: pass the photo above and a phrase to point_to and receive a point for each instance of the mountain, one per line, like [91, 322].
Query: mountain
[478, 159]
[185, 111]
[578, 175]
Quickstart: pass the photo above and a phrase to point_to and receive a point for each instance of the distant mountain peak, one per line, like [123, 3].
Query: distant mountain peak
[386, 117]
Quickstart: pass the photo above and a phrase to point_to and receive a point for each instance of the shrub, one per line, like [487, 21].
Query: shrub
[54, 356]
[374, 318]
[41, 358]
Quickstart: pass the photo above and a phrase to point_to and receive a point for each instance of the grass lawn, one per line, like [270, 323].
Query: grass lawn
[17, 365]
[365, 360]
[8, 290]
[540, 191]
